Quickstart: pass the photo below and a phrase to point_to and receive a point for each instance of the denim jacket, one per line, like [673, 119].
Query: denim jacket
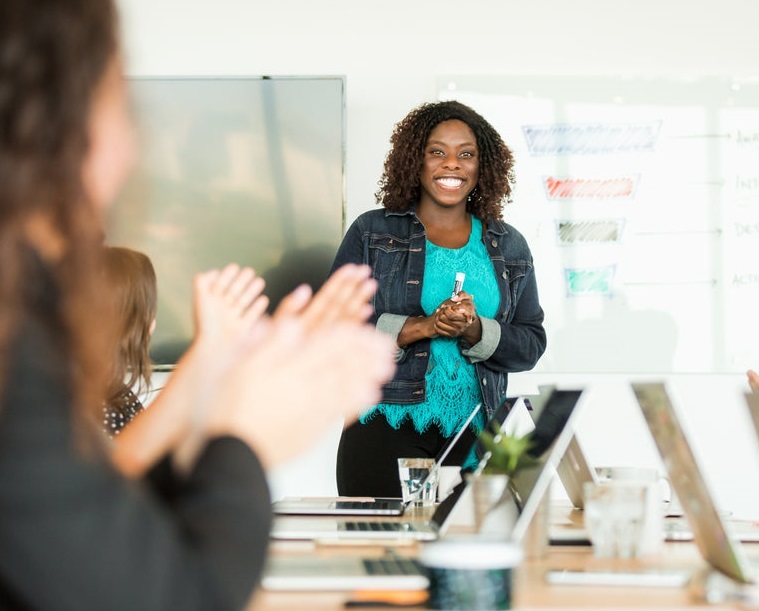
[393, 244]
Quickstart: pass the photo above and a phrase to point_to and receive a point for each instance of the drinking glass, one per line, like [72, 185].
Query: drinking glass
[614, 513]
[413, 472]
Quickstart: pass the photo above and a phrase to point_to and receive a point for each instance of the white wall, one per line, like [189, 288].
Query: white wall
[392, 53]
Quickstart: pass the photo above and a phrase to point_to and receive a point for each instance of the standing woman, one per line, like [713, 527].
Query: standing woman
[83, 526]
[445, 181]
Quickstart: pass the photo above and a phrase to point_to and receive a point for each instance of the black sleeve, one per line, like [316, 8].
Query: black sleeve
[74, 534]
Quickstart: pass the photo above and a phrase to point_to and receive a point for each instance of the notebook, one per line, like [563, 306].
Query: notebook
[362, 506]
[711, 534]
[328, 528]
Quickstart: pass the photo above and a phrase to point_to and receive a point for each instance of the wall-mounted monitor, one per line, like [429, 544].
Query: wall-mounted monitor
[247, 170]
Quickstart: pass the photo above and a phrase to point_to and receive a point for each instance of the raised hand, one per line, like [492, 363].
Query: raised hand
[229, 303]
[753, 380]
[284, 394]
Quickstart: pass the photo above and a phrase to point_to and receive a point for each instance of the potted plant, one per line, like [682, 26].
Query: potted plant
[506, 455]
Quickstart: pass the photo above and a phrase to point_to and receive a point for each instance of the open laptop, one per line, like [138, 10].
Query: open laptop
[335, 528]
[574, 468]
[552, 433]
[313, 573]
[358, 506]
[711, 534]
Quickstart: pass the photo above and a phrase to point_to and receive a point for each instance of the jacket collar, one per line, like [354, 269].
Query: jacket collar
[496, 226]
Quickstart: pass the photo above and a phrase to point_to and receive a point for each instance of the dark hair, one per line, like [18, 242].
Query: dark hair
[400, 188]
[131, 290]
[53, 56]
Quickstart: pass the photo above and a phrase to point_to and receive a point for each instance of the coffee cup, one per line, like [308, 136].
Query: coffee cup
[470, 574]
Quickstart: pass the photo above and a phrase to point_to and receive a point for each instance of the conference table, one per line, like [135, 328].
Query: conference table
[530, 588]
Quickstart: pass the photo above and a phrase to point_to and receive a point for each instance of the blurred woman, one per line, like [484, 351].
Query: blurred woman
[75, 533]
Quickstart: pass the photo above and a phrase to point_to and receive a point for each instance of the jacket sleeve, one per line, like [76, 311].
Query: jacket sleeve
[516, 345]
[74, 534]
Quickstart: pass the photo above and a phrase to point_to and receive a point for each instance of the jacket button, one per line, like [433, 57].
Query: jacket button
[484, 382]
[505, 275]
[494, 243]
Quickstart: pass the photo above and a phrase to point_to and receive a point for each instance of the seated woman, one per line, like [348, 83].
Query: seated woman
[131, 291]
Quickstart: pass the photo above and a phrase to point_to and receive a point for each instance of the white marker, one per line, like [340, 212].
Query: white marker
[458, 283]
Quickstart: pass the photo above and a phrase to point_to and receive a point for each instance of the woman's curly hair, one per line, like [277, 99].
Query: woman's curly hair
[400, 187]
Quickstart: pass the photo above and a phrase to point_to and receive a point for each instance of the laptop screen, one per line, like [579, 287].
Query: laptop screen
[709, 531]
[551, 435]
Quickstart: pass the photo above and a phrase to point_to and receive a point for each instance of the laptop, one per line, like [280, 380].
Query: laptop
[358, 506]
[711, 534]
[314, 573]
[330, 506]
[574, 469]
[336, 528]
[553, 430]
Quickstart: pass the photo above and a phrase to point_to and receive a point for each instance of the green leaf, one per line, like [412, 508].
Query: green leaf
[508, 453]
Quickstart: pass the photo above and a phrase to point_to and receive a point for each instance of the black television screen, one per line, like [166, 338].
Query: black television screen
[246, 170]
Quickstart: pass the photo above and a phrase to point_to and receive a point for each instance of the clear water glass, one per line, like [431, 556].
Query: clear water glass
[614, 514]
[412, 473]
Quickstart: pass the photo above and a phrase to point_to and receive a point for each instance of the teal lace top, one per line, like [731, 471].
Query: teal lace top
[452, 386]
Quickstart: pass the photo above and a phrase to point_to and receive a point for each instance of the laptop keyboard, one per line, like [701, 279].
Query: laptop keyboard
[362, 504]
[376, 526]
[392, 566]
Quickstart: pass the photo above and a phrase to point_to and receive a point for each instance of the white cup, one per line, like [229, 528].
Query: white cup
[658, 494]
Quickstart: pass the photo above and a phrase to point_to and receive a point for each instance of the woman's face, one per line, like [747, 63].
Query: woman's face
[451, 165]
[112, 146]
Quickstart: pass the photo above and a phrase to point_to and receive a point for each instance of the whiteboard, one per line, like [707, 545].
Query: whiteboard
[639, 198]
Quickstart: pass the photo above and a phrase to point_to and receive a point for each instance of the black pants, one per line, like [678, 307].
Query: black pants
[367, 457]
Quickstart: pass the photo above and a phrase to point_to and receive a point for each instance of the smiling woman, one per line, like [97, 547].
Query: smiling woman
[446, 179]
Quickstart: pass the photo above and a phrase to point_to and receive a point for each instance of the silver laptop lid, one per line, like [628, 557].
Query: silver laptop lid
[574, 469]
[551, 435]
[709, 532]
